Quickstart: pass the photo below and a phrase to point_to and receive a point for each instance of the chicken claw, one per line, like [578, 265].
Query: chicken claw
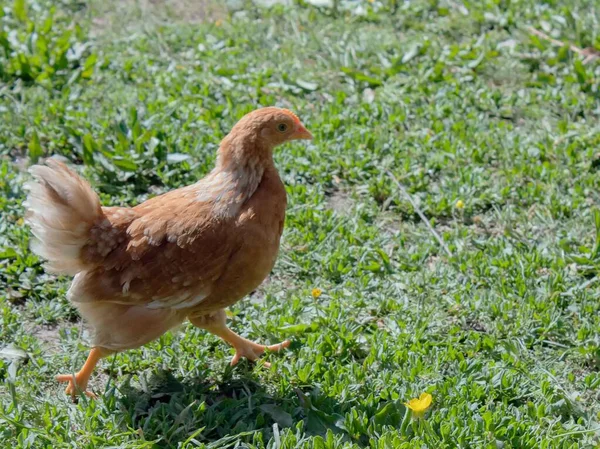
[216, 324]
[252, 351]
[78, 382]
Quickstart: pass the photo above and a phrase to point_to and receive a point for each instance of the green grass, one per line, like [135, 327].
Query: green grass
[460, 101]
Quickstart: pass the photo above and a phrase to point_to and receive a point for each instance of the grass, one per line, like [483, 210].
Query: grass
[460, 102]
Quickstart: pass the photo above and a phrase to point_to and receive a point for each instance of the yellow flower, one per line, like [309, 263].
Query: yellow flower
[460, 204]
[316, 292]
[419, 405]
[218, 22]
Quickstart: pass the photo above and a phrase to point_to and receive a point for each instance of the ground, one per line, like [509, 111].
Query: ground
[486, 113]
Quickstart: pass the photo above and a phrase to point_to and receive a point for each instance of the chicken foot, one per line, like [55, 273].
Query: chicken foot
[78, 382]
[216, 325]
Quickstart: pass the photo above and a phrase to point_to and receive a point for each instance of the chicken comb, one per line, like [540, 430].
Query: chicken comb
[294, 116]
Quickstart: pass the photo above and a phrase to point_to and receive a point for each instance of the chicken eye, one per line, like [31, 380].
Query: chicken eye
[282, 127]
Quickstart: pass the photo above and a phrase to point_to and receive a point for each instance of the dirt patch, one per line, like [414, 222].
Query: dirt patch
[340, 202]
[486, 226]
[49, 336]
[125, 17]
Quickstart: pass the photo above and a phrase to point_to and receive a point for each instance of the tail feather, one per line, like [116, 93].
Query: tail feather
[61, 210]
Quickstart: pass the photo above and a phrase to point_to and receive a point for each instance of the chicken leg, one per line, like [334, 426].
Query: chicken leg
[216, 325]
[78, 382]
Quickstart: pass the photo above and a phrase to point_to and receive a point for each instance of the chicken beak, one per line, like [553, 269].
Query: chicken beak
[301, 133]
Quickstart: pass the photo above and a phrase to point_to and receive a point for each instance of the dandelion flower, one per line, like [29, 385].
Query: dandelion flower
[316, 292]
[460, 204]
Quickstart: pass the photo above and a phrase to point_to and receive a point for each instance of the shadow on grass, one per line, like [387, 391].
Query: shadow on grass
[236, 408]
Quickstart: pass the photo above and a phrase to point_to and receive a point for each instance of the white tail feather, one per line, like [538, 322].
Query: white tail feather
[61, 210]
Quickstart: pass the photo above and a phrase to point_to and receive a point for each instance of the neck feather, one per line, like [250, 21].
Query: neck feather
[241, 164]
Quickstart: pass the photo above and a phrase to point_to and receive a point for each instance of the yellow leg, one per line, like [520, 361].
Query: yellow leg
[78, 382]
[216, 324]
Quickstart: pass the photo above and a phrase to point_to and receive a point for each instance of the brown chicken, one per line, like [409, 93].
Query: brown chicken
[186, 254]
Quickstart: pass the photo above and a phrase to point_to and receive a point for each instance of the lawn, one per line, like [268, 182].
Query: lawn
[482, 115]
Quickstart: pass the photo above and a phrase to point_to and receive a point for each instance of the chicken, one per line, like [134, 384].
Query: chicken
[186, 254]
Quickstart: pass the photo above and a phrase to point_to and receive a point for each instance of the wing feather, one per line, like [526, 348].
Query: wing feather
[165, 253]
